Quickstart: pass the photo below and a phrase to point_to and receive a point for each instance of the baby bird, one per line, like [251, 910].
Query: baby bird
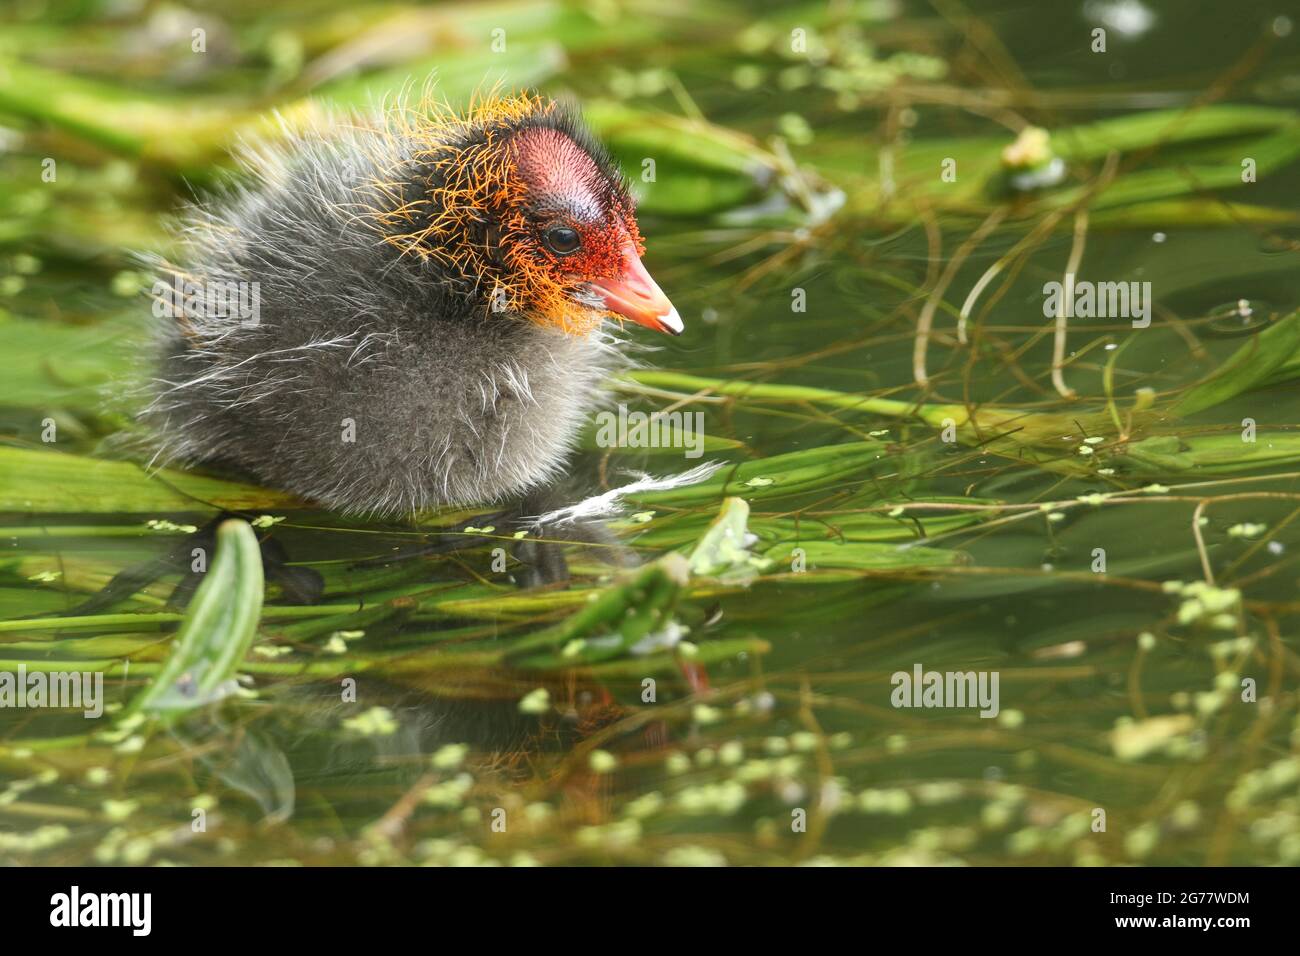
[405, 311]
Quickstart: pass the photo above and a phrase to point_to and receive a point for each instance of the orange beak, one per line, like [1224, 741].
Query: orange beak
[636, 296]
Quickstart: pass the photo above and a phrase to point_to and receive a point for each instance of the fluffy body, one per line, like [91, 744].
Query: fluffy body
[369, 330]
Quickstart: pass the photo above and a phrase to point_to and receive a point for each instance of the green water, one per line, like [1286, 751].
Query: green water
[1124, 731]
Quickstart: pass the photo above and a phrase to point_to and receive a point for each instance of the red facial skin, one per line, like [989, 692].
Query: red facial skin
[565, 188]
[499, 186]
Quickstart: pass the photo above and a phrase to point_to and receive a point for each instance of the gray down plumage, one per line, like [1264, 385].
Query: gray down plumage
[371, 382]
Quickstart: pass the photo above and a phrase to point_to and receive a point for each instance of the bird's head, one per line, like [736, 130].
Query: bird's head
[518, 206]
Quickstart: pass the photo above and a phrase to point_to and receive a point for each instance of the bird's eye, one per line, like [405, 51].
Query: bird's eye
[562, 240]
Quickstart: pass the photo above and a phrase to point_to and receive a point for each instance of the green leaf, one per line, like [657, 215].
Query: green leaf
[1249, 367]
[618, 618]
[864, 555]
[723, 551]
[217, 630]
[1126, 134]
[43, 482]
[1172, 456]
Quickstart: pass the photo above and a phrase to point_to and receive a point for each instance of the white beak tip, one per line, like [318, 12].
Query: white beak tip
[672, 322]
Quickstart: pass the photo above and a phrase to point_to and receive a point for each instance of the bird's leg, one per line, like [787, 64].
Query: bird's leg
[299, 585]
[446, 541]
[543, 561]
[177, 559]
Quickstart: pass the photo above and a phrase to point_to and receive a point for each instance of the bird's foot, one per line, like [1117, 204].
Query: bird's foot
[189, 558]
